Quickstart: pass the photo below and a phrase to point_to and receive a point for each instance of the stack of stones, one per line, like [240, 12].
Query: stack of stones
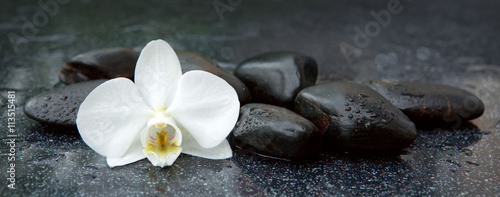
[284, 113]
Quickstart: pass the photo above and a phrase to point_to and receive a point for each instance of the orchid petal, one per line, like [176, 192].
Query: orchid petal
[111, 118]
[156, 74]
[191, 147]
[206, 106]
[132, 155]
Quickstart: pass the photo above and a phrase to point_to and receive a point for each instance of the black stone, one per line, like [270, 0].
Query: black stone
[193, 61]
[354, 117]
[430, 103]
[276, 77]
[59, 106]
[274, 131]
[100, 64]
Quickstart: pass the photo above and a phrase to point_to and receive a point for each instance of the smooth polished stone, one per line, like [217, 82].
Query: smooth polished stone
[428, 102]
[100, 64]
[354, 117]
[59, 107]
[276, 77]
[274, 131]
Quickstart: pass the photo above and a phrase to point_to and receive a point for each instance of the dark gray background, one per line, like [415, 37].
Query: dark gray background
[447, 42]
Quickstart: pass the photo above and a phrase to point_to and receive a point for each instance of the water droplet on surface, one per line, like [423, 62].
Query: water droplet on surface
[47, 98]
[467, 152]
[90, 167]
[348, 109]
[44, 105]
[423, 53]
[88, 177]
[472, 163]
[350, 116]
[357, 111]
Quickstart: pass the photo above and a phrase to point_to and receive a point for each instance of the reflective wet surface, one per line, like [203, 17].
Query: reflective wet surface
[448, 42]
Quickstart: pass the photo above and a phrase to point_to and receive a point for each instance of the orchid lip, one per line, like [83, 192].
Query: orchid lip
[161, 141]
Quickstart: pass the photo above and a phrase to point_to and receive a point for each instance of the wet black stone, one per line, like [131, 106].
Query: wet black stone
[276, 77]
[355, 117]
[100, 64]
[274, 131]
[193, 61]
[430, 103]
[58, 107]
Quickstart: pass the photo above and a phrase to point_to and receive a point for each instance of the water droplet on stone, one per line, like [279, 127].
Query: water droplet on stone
[383, 121]
[47, 98]
[44, 105]
[350, 116]
[357, 111]
[348, 109]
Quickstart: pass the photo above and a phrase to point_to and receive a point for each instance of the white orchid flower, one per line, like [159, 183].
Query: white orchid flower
[162, 115]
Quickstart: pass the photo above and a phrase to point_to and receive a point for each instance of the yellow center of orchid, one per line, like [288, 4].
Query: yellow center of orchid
[162, 143]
